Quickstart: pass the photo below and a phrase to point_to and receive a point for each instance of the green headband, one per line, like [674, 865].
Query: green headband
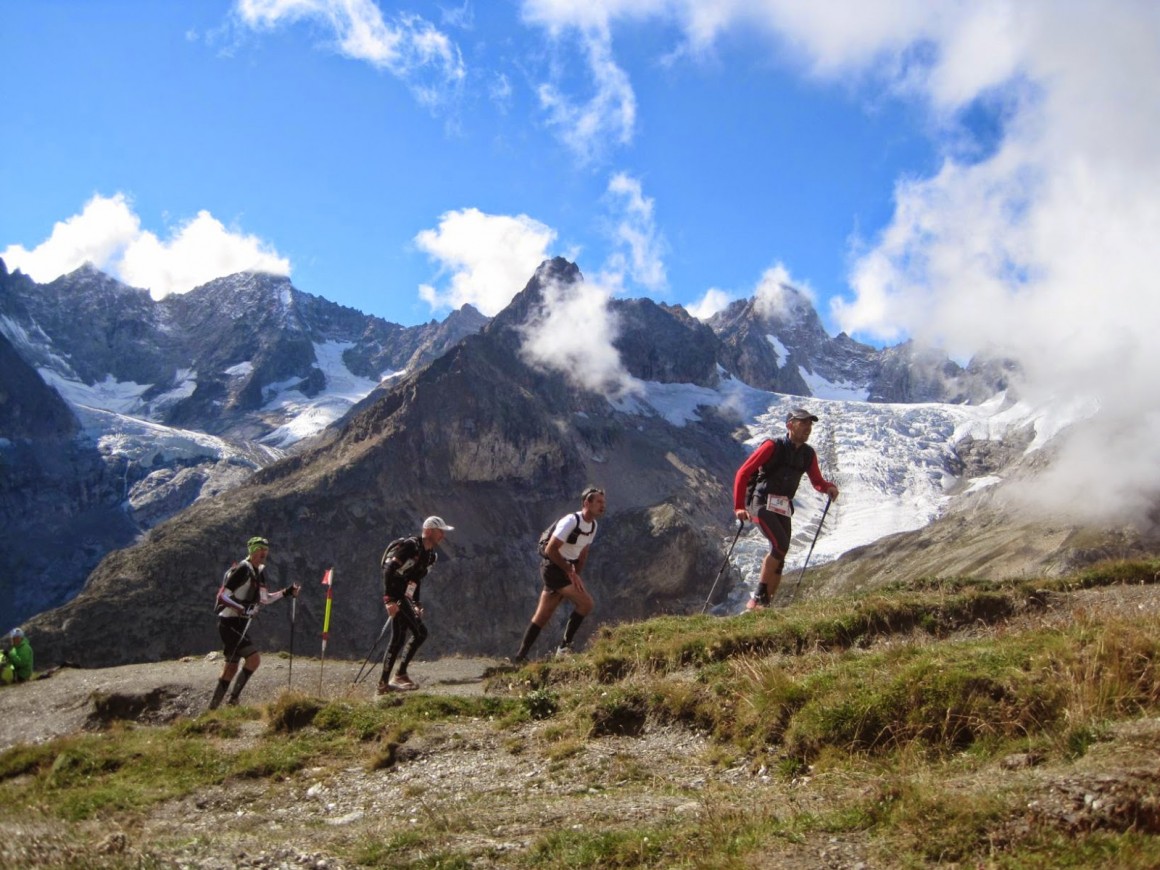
[255, 544]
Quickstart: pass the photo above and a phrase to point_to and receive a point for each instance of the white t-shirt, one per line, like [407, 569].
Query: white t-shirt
[563, 530]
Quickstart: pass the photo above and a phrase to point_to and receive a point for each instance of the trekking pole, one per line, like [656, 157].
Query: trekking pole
[242, 636]
[740, 526]
[293, 619]
[378, 640]
[817, 532]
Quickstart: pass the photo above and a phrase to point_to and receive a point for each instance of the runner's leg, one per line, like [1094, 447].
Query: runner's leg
[776, 529]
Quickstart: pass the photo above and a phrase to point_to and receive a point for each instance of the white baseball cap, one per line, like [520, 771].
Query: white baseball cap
[437, 523]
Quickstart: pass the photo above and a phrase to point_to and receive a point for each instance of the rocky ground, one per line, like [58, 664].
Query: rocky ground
[497, 791]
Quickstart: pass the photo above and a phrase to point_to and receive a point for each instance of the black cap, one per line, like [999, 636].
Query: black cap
[800, 414]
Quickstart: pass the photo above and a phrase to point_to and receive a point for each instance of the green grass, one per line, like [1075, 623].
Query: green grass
[883, 709]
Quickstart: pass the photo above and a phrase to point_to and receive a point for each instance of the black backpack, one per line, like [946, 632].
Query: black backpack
[546, 536]
[782, 454]
[392, 548]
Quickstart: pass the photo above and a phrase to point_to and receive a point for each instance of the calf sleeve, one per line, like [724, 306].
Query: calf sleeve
[570, 629]
[240, 683]
[529, 638]
[219, 693]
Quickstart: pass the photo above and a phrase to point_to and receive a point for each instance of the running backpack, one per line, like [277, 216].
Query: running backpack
[392, 549]
[781, 460]
[546, 536]
[217, 601]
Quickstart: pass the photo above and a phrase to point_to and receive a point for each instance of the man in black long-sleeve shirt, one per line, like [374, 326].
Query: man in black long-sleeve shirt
[405, 564]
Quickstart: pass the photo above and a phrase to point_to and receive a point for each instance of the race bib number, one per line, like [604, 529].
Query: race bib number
[779, 504]
[411, 587]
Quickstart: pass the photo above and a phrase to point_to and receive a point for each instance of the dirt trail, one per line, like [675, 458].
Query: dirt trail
[41, 709]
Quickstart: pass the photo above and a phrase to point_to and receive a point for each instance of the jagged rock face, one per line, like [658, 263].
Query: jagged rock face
[61, 511]
[29, 408]
[770, 349]
[497, 448]
[748, 353]
[100, 327]
[60, 507]
[246, 332]
[665, 344]
[205, 361]
[235, 337]
[908, 373]
[773, 348]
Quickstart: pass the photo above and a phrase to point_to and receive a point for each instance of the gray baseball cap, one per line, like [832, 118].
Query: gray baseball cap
[801, 414]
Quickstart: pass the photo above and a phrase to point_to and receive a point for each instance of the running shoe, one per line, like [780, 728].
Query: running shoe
[403, 683]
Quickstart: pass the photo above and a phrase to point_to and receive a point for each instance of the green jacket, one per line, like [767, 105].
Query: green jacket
[20, 655]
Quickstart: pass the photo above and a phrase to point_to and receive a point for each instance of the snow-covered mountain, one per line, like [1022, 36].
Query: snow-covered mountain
[500, 439]
[898, 466]
[122, 411]
[247, 357]
[186, 398]
[775, 341]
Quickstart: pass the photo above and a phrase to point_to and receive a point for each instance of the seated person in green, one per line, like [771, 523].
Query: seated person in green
[16, 662]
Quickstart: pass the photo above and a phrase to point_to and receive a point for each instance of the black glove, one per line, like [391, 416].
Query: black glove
[290, 591]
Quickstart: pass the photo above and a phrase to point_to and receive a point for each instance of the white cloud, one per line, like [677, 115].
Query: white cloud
[500, 91]
[609, 116]
[713, 301]
[638, 245]
[98, 235]
[574, 335]
[1043, 250]
[108, 234]
[778, 294]
[409, 47]
[1040, 244]
[199, 251]
[489, 257]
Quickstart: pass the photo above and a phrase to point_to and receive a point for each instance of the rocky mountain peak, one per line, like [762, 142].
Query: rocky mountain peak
[528, 304]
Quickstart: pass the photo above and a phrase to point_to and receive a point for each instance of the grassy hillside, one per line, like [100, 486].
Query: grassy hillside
[949, 723]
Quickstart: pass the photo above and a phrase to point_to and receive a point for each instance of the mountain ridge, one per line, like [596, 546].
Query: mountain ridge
[488, 430]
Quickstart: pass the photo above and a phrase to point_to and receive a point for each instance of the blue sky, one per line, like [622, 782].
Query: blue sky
[335, 163]
[953, 172]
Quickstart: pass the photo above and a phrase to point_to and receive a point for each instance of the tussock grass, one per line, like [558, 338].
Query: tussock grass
[946, 697]
[889, 713]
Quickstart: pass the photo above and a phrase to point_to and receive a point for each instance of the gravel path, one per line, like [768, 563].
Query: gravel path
[62, 703]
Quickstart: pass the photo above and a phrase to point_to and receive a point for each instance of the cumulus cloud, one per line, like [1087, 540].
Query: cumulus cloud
[108, 234]
[1042, 251]
[574, 334]
[489, 257]
[408, 46]
[638, 246]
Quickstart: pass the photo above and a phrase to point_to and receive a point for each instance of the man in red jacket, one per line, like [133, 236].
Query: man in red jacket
[763, 492]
